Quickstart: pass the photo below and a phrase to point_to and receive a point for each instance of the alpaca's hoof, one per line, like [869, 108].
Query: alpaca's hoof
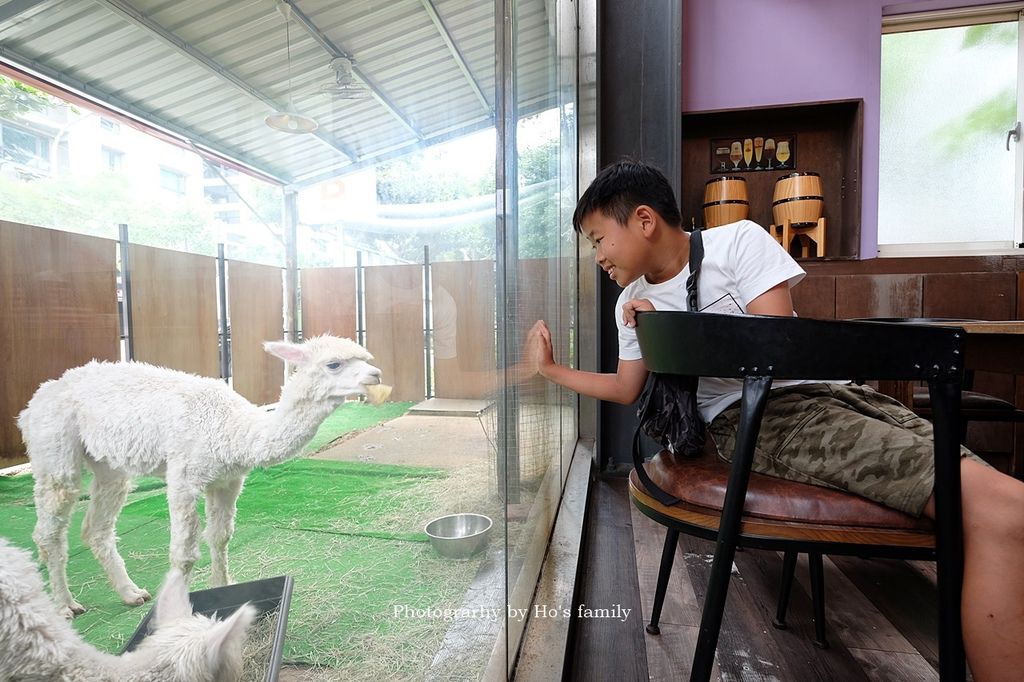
[136, 596]
[71, 609]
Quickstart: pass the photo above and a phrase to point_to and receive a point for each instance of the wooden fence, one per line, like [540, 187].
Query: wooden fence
[59, 309]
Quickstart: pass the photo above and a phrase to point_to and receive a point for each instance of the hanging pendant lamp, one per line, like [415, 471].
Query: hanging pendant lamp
[289, 121]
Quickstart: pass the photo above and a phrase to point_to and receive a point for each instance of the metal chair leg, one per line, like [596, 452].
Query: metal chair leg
[788, 569]
[818, 598]
[755, 395]
[668, 555]
[711, 617]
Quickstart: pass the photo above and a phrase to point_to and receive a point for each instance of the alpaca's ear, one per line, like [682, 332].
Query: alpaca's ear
[289, 352]
[229, 632]
[172, 603]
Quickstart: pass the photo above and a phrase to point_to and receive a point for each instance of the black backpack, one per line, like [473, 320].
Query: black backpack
[667, 409]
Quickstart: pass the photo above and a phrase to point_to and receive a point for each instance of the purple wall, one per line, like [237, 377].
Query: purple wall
[748, 53]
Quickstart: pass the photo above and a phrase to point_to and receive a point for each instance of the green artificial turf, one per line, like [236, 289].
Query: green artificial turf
[354, 416]
[349, 533]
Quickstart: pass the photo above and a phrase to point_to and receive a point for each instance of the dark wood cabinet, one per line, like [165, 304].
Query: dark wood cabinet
[829, 138]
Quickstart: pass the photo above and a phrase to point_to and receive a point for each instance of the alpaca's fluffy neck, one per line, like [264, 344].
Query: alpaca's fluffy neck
[280, 435]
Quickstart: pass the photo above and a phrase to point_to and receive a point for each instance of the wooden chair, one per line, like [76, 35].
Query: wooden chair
[729, 504]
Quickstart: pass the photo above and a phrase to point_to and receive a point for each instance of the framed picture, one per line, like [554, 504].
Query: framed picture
[755, 153]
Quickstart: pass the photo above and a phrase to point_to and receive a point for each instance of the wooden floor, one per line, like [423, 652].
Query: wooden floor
[881, 613]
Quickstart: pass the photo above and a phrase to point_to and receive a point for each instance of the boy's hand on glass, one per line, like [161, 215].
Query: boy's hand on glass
[630, 309]
[540, 352]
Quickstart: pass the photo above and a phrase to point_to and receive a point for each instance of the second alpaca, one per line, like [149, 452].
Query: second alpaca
[37, 644]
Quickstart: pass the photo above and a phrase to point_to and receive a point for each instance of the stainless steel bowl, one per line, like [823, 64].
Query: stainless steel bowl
[458, 536]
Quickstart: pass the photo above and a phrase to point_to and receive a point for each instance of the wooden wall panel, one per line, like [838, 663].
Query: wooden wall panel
[328, 302]
[815, 298]
[1016, 465]
[394, 326]
[878, 296]
[174, 309]
[984, 296]
[256, 312]
[980, 295]
[468, 289]
[58, 309]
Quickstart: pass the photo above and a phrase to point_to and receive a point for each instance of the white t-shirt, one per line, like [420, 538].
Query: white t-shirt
[741, 262]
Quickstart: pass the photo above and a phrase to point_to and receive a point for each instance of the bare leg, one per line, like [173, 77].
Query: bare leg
[181, 502]
[993, 592]
[106, 498]
[220, 526]
[55, 500]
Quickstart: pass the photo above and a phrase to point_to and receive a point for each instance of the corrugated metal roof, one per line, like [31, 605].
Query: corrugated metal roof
[211, 70]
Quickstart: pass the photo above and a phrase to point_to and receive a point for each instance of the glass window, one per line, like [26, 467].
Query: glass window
[948, 175]
[28, 149]
[229, 217]
[172, 181]
[112, 159]
[217, 194]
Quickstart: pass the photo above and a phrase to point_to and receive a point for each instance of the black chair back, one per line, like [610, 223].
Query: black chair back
[760, 349]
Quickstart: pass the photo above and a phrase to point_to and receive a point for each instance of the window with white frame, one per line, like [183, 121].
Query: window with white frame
[172, 181]
[949, 162]
[24, 147]
[113, 159]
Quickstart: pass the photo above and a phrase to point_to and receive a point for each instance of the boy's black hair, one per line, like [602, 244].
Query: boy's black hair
[621, 187]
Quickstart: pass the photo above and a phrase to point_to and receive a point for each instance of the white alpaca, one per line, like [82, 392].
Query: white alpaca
[37, 643]
[124, 420]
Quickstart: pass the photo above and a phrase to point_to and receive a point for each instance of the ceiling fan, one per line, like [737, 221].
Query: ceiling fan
[345, 85]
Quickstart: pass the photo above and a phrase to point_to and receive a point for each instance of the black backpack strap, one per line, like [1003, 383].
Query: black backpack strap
[696, 258]
[638, 457]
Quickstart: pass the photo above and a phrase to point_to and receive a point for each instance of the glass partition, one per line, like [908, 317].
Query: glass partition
[414, 529]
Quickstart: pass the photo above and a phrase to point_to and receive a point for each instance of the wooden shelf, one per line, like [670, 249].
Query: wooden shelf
[829, 138]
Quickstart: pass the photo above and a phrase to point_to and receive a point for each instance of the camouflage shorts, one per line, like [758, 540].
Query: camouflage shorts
[841, 436]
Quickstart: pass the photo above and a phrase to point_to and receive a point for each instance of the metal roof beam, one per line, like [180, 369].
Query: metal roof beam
[336, 51]
[304, 180]
[133, 16]
[446, 35]
[17, 7]
[62, 79]
[309, 179]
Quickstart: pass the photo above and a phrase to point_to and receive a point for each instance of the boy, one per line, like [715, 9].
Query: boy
[629, 215]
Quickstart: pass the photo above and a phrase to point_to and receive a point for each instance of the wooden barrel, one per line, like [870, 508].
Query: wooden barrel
[725, 200]
[798, 198]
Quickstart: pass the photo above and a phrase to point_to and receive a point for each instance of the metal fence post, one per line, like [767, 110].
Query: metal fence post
[428, 330]
[222, 304]
[360, 301]
[126, 285]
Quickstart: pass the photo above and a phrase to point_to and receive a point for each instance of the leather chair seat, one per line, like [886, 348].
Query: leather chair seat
[700, 485]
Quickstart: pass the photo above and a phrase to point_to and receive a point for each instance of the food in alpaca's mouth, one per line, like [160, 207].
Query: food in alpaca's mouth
[377, 393]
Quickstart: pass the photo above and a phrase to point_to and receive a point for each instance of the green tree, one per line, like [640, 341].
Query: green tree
[18, 99]
[96, 204]
[539, 228]
[996, 114]
[415, 179]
